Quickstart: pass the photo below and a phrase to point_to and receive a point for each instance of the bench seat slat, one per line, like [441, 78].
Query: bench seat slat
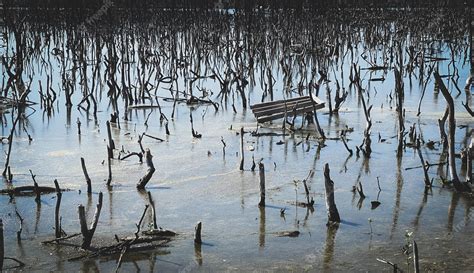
[290, 113]
[263, 104]
[281, 108]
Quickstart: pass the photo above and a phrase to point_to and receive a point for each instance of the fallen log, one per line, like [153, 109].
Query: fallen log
[29, 190]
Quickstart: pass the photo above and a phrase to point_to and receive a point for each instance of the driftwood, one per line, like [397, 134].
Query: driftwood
[28, 190]
[151, 169]
[261, 172]
[333, 214]
[458, 185]
[88, 233]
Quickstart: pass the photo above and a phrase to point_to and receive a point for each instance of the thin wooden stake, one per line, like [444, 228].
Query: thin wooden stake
[261, 172]
[241, 149]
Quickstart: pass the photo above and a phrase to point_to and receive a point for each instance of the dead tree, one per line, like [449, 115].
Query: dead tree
[57, 221]
[442, 131]
[261, 172]
[458, 185]
[86, 175]
[333, 214]
[111, 145]
[153, 210]
[88, 233]
[400, 95]
[151, 169]
[10, 142]
[36, 188]
[2, 247]
[367, 141]
[241, 149]
[197, 234]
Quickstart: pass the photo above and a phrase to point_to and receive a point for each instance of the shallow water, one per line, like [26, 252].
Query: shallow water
[195, 181]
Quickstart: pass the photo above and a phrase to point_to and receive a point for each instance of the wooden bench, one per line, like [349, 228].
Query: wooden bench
[268, 111]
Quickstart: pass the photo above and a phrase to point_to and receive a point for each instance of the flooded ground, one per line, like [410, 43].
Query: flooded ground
[157, 68]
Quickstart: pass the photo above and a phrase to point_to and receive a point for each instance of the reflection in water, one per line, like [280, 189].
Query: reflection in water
[329, 246]
[261, 228]
[89, 265]
[198, 253]
[37, 215]
[452, 210]
[396, 208]
[420, 208]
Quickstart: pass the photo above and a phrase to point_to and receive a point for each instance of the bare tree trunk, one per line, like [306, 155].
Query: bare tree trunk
[470, 151]
[88, 233]
[452, 127]
[57, 224]
[197, 235]
[333, 214]
[86, 175]
[401, 126]
[2, 247]
[151, 169]
[10, 142]
[111, 146]
[442, 131]
[152, 204]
